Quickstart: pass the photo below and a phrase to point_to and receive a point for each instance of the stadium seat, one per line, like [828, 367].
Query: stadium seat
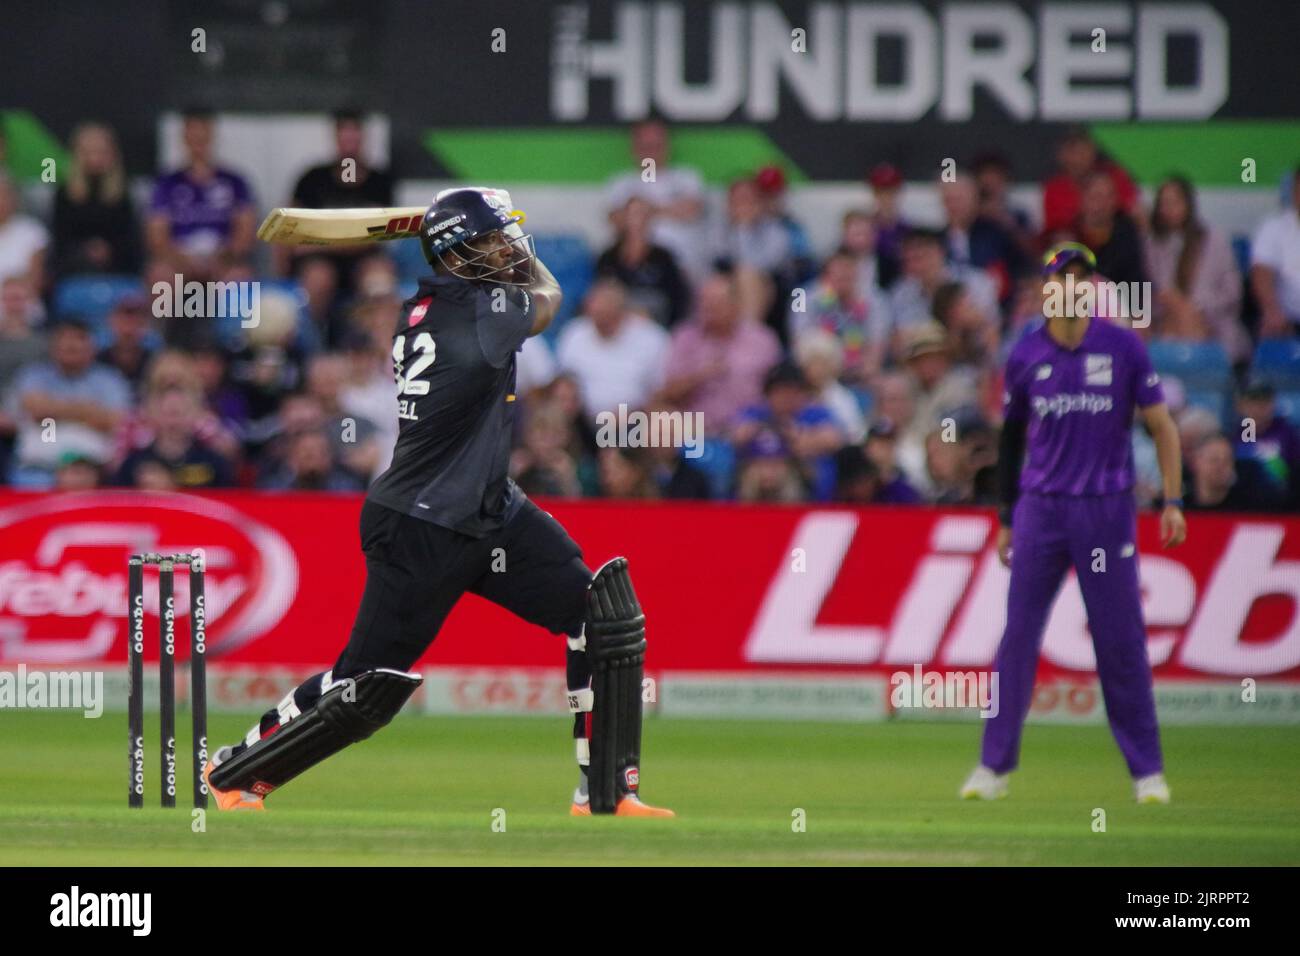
[1212, 400]
[93, 296]
[718, 462]
[1278, 360]
[1288, 406]
[1199, 365]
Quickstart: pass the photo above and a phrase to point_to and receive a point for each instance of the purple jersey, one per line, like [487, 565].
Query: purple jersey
[200, 212]
[1079, 406]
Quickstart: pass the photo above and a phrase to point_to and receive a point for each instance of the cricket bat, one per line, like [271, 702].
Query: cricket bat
[340, 227]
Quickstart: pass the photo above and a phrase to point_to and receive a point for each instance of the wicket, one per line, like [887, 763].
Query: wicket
[166, 674]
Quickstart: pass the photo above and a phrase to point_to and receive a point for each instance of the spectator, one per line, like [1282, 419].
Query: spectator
[1268, 439]
[616, 355]
[77, 473]
[95, 227]
[768, 473]
[1218, 483]
[939, 387]
[924, 271]
[867, 474]
[881, 450]
[894, 398]
[648, 271]
[310, 466]
[356, 440]
[626, 473]
[972, 335]
[674, 476]
[771, 184]
[173, 414]
[717, 360]
[68, 404]
[751, 236]
[961, 471]
[201, 216]
[130, 329]
[858, 318]
[807, 430]
[675, 194]
[346, 181]
[226, 406]
[23, 240]
[20, 346]
[544, 464]
[976, 242]
[1109, 232]
[1275, 269]
[1077, 158]
[993, 178]
[324, 320]
[1194, 277]
[20, 342]
[886, 188]
[565, 393]
[821, 359]
[858, 239]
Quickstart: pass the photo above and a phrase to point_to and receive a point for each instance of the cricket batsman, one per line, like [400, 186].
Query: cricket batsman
[445, 519]
[1066, 488]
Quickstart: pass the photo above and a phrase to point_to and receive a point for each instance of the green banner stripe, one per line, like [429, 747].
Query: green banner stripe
[595, 154]
[1209, 154]
[29, 144]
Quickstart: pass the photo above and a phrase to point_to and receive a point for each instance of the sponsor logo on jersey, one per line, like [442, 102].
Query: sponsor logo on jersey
[1063, 404]
[1044, 371]
[1097, 369]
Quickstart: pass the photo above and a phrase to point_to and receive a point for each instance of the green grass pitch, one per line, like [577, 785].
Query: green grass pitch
[425, 789]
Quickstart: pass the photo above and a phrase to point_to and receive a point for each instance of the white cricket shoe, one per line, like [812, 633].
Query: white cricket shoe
[984, 784]
[1151, 789]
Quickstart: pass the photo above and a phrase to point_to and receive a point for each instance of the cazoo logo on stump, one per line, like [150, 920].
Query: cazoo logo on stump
[63, 593]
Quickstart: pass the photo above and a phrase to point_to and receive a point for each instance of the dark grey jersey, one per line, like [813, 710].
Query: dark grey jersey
[454, 359]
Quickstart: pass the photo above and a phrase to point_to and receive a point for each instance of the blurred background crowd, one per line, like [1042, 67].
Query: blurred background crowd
[864, 373]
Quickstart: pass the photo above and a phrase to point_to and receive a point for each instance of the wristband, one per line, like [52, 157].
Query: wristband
[1174, 503]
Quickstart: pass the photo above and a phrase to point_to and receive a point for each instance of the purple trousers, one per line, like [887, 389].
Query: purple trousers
[1051, 533]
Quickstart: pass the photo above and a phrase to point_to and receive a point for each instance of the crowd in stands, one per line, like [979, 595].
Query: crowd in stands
[866, 373]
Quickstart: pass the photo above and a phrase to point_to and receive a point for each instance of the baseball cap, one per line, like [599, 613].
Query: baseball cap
[1256, 386]
[924, 339]
[884, 176]
[771, 180]
[1062, 255]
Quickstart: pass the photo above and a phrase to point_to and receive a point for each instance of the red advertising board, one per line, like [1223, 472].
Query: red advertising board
[725, 587]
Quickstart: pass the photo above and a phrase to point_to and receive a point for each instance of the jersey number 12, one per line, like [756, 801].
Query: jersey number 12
[409, 383]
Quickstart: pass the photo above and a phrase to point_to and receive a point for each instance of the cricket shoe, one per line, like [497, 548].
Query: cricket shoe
[231, 799]
[1151, 789]
[984, 784]
[629, 806]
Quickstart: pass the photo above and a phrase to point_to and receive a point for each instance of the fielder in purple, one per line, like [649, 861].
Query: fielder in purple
[1073, 386]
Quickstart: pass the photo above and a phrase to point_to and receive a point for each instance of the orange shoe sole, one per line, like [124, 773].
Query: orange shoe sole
[627, 807]
[231, 799]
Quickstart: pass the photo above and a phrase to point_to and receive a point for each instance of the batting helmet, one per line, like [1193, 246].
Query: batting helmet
[464, 230]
